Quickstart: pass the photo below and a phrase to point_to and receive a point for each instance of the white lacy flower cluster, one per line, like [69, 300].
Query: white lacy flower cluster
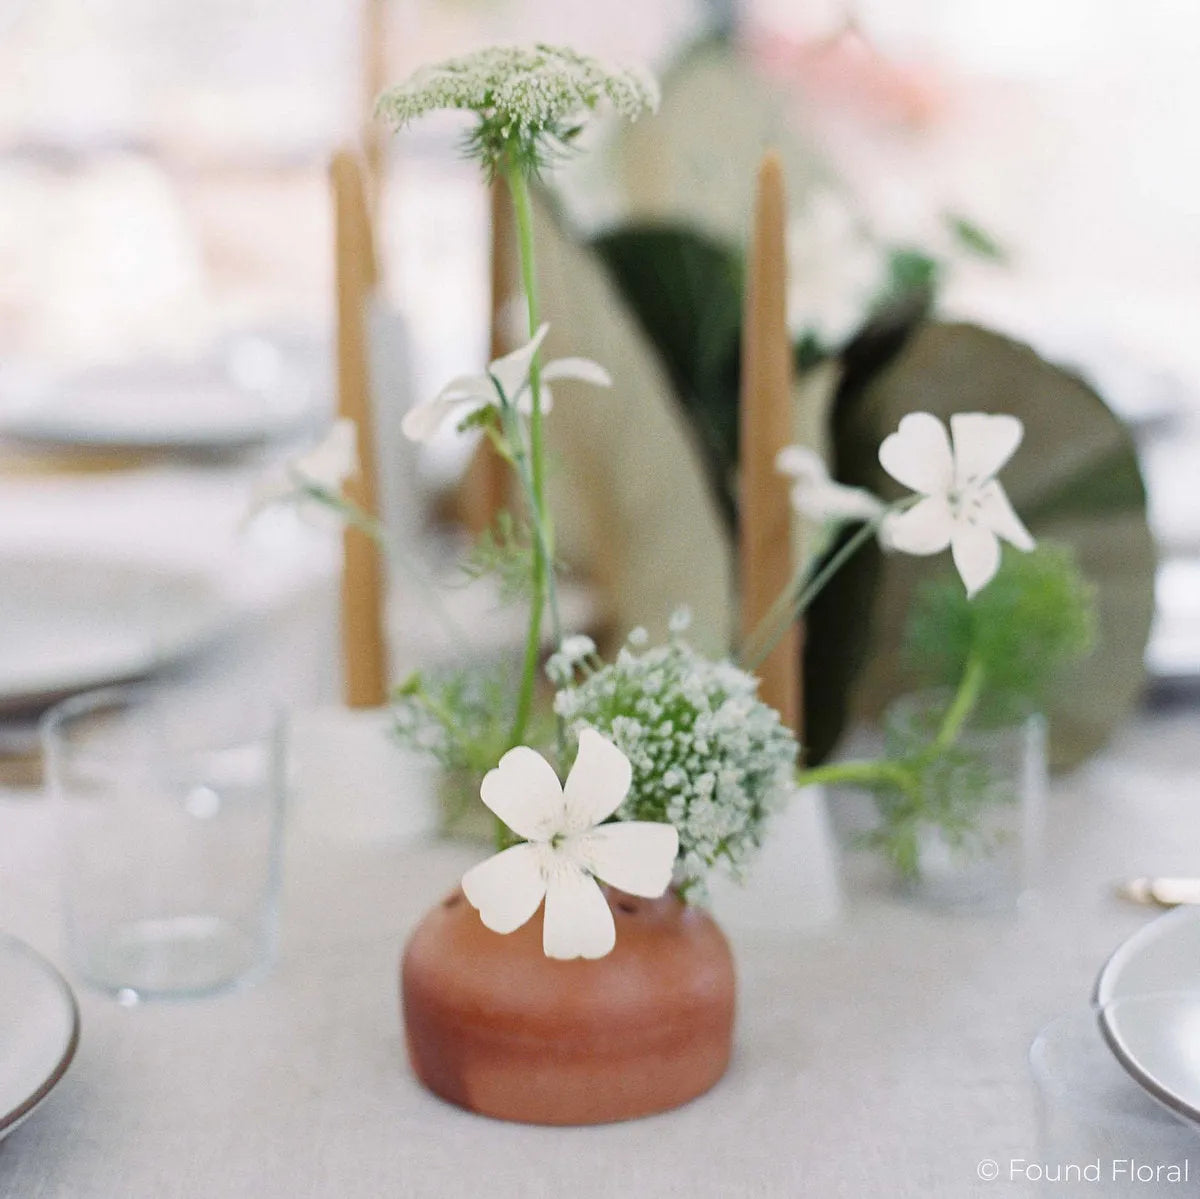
[521, 94]
[708, 756]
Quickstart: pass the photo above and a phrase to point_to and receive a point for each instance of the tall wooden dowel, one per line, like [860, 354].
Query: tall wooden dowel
[364, 644]
[765, 524]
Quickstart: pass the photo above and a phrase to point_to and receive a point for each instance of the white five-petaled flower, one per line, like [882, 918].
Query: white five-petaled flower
[567, 848]
[323, 468]
[817, 496]
[962, 505]
[507, 377]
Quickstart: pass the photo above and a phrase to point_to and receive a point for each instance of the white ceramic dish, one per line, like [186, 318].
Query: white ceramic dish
[39, 1030]
[1148, 1004]
[69, 624]
[243, 396]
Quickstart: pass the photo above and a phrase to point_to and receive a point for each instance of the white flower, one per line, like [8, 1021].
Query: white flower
[962, 505]
[560, 666]
[835, 271]
[566, 848]
[324, 468]
[817, 496]
[507, 377]
[520, 93]
[680, 620]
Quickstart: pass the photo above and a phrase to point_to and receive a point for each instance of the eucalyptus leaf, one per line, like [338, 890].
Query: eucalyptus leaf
[1075, 480]
[685, 289]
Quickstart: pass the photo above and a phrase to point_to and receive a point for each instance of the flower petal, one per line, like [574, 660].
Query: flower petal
[507, 888]
[578, 922]
[918, 454]
[597, 784]
[976, 555]
[636, 856]
[583, 369]
[462, 395]
[926, 528]
[332, 461]
[512, 371]
[545, 398]
[802, 463]
[996, 513]
[525, 793]
[983, 443]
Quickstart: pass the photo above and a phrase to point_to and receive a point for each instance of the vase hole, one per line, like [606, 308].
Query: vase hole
[627, 906]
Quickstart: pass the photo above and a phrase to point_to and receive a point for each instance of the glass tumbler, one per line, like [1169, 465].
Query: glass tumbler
[170, 822]
[976, 840]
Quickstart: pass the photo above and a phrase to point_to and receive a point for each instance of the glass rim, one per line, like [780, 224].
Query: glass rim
[137, 696]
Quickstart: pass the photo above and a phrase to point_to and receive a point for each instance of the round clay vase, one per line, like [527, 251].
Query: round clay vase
[496, 1027]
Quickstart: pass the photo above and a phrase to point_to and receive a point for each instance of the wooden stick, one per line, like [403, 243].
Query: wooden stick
[364, 645]
[484, 494]
[765, 520]
[374, 80]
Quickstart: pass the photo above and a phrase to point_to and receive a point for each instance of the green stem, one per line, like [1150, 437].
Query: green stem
[796, 597]
[851, 772]
[545, 591]
[970, 687]
[358, 518]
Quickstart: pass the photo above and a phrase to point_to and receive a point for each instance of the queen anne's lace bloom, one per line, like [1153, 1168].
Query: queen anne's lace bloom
[524, 96]
[708, 756]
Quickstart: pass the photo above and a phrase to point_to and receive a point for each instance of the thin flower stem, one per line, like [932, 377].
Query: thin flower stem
[357, 518]
[545, 591]
[796, 597]
[864, 772]
[970, 687]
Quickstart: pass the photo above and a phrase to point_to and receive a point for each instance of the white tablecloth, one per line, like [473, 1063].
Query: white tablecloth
[883, 1055]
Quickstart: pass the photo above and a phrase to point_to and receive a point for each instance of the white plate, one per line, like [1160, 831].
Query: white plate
[68, 625]
[39, 1030]
[1148, 1003]
[1162, 956]
[244, 394]
[1156, 1038]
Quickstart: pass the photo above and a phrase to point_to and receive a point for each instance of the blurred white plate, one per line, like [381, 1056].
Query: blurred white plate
[247, 392]
[68, 624]
[1162, 956]
[39, 1030]
[1156, 1038]
[1148, 1001]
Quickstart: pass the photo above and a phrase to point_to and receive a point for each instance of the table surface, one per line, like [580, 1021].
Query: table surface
[882, 1054]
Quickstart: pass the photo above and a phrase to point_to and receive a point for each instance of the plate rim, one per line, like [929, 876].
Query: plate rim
[1102, 999]
[1151, 1085]
[10, 1120]
[218, 612]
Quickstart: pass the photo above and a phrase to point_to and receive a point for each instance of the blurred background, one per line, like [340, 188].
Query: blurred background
[166, 233]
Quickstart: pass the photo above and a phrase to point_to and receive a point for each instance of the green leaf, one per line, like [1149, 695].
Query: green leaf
[685, 289]
[1074, 480]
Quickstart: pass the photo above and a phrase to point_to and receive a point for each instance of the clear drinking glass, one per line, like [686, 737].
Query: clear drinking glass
[975, 842]
[170, 819]
[1099, 1133]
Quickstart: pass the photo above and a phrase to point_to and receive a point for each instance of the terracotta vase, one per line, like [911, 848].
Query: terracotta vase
[496, 1027]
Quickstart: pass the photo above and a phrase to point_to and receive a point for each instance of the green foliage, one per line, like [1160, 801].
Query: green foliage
[461, 718]
[974, 239]
[505, 552]
[1035, 617]
[949, 790]
[685, 289]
